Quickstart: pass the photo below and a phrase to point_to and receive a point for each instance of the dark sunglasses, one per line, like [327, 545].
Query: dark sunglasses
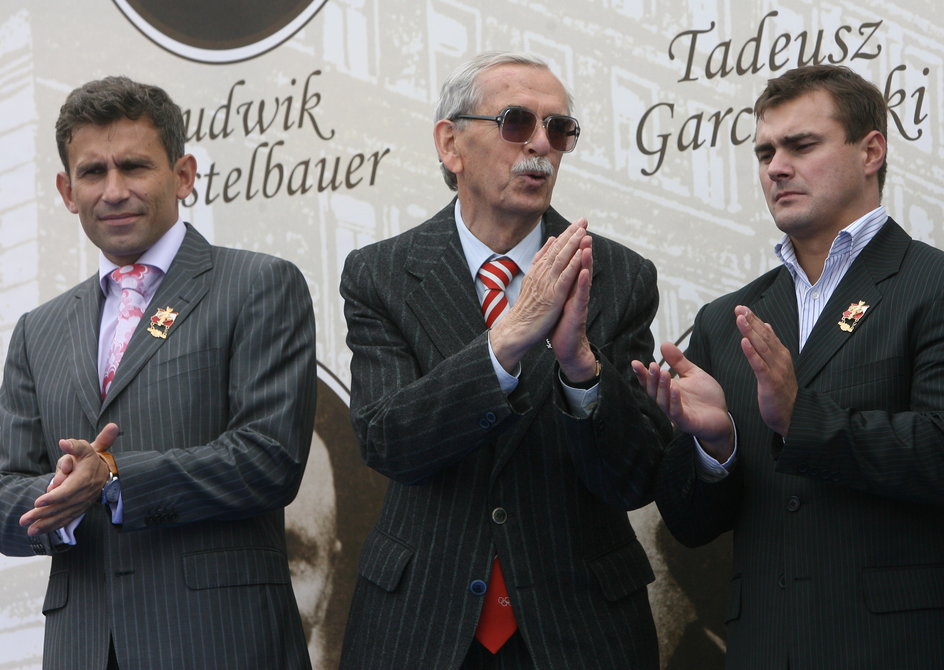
[517, 125]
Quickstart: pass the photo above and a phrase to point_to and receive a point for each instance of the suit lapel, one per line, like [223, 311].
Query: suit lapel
[880, 259]
[777, 306]
[85, 317]
[185, 284]
[444, 301]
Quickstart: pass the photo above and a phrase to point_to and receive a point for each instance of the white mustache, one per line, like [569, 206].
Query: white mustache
[534, 164]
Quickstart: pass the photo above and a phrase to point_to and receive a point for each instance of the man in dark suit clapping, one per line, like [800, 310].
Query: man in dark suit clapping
[830, 466]
[491, 384]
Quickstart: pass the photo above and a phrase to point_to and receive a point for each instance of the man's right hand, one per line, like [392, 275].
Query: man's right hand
[544, 292]
[694, 400]
[80, 475]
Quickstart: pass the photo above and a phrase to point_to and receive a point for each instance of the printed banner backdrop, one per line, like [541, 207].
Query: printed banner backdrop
[311, 122]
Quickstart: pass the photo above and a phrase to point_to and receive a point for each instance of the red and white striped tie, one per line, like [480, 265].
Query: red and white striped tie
[496, 275]
[497, 620]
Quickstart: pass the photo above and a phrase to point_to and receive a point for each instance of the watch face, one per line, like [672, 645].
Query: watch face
[111, 491]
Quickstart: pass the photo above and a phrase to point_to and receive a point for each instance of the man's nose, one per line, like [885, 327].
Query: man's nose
[539, 144]
[116, 186]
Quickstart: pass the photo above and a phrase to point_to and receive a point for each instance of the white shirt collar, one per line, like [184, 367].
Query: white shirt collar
[477, 252]
[160, 255]
[852, 238]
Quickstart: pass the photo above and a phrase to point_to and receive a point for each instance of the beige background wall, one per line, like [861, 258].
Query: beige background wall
[322, 143]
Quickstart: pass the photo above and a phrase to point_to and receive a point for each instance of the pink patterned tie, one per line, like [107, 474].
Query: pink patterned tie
[496, 274]
[134, 280]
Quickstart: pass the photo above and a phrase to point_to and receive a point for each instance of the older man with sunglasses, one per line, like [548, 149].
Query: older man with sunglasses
[491, 384]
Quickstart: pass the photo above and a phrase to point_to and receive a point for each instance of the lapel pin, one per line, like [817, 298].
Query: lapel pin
[161, 322]
[850, 318]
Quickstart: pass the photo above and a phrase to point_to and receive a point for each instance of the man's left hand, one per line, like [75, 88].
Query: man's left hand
[773, 367]
[568, 338]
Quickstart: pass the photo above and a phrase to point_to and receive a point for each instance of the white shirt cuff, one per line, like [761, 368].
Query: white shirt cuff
[507, 381]
[708, 467]
[66, 535]
[582, 402]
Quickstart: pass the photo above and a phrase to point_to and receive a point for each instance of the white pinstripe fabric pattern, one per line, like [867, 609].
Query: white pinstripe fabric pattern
[430, 415]
[838, 533]
[216, 425]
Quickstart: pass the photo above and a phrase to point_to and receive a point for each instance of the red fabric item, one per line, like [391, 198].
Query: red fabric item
[496, 275]
[497, 622]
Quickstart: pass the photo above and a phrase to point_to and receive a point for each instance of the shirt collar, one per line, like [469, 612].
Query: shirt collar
[160, 255]
[852, 238]
[477, 252]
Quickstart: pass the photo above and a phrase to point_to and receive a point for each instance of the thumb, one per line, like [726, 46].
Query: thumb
[107, 437]
[676, 359]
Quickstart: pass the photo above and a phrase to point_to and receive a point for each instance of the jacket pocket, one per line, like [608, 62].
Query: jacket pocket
[623, 571]
[903, 588]
[237, 566]
[188, 363]
[57, 592]
[384, 559]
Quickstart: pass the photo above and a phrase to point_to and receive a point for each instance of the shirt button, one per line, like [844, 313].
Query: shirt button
[793, 504]
[478, 587]
[499, 515]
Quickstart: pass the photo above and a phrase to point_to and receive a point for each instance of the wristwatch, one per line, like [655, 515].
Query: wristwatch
[590, 383]
[112, 488]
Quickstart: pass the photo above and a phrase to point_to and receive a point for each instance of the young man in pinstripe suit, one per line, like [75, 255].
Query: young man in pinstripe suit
[514, 444]
[167, 530]
[810, 405]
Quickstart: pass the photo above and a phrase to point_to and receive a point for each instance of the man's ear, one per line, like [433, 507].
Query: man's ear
[874, 146]
[444, 135]
[186, 171]
[64, 186]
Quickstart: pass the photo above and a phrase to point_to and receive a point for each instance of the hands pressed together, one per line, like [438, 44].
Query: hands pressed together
[552, 305]
[695, 401]
[77, 484]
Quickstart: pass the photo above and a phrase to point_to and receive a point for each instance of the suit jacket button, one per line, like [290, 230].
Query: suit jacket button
[478, 587]
[793, 504]
[484, 424]
[781, 581]
[499, 515]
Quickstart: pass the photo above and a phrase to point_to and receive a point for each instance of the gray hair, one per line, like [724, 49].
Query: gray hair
[461, 93]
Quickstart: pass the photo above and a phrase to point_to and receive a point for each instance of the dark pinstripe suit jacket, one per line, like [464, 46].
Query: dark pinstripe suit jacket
[430, 415]
[839, 532]
[216, 424]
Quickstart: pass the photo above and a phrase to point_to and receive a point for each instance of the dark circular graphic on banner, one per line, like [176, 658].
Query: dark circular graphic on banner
[219, 31]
